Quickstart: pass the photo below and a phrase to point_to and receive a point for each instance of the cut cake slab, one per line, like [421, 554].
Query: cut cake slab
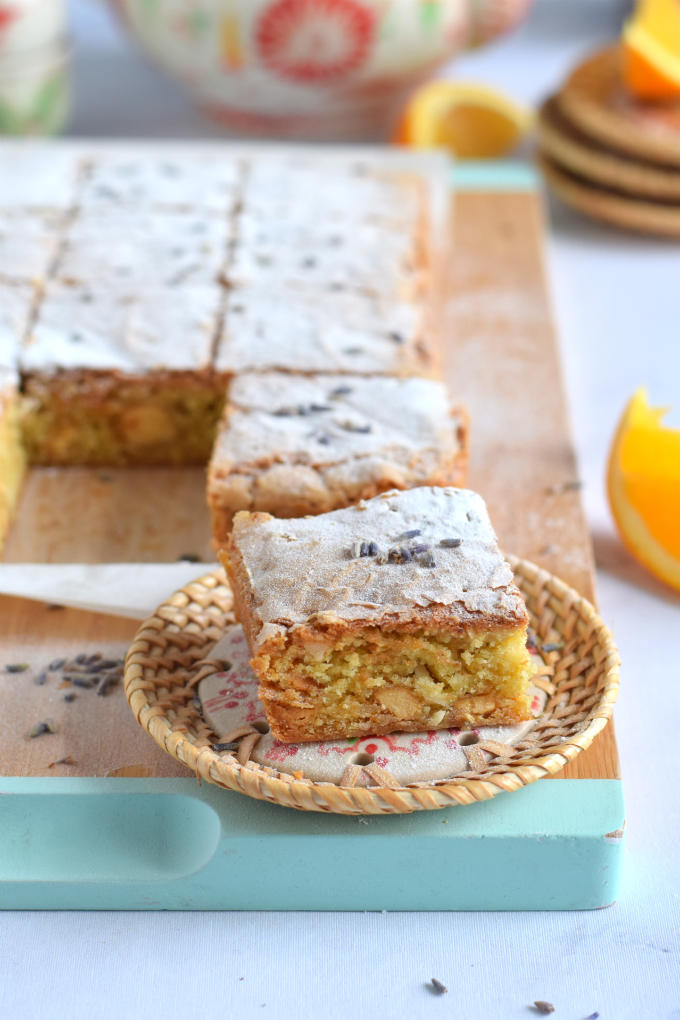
[164, 273]
[398, 614]
[296, 445]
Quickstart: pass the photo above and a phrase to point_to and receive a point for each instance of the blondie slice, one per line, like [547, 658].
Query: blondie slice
[296, 445]
[399, 613]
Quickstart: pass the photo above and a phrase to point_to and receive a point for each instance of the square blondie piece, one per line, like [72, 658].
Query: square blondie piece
[296, 445]
[398, 614]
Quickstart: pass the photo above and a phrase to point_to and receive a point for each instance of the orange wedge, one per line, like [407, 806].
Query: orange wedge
[472, 121]
[644, 488]
[651, 50]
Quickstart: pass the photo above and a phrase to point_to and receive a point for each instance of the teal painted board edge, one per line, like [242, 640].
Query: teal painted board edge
[166, 844]
[494, 175]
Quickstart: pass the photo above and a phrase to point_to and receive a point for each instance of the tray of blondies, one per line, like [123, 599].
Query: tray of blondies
[336, 376]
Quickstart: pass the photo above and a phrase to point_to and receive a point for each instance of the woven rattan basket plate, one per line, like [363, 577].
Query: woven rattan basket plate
[171, 654]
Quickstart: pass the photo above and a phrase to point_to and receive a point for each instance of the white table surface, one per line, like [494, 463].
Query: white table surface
[617, 303]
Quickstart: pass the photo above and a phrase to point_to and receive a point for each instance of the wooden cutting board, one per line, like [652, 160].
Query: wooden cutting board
[501, 360]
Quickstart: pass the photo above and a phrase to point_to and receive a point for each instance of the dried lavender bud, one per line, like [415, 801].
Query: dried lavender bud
[80, 659]
[544, 1007]
[283, 412]
[450, 543]
[400, 555]
[323, 439]
[189, 558]
[225, 747]
[420, 548]
[56, 664]
[373, 549]
[197, 702]
[320, 407]
[41, 678]
[91, 659]
[81, 681]
[363, 549]
[38, 730]
[593, 1016]
[110, 680]
[17, 667]
[341, 391]
[70, 696]
[397, 337]
[354, 350]
[104, 664]
[363, 429]
[552, 646]
[439, 988]
[412, 534]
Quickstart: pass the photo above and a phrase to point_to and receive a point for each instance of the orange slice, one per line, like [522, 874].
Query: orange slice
[644, 488]
[472, 121]
[651, 50]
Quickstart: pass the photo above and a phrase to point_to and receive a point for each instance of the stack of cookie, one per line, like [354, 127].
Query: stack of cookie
[609, 154]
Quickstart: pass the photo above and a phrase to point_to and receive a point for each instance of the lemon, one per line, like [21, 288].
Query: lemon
[644, 488]
[472, 121]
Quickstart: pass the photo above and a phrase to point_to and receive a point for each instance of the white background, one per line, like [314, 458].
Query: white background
[617, 304]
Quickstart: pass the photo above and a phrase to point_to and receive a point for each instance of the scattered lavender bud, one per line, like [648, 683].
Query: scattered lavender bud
[102, 665]
[400, 555]
[544, 1007]
[38, 730]
[16, 667]
[412, 534]
[189, 558]
[80, 659]
[225, 747]
[81, 681]
[439, 988]
[320, 407]
[70, 696]
[552, 646]
[341, 391]
[420, 548]
[56, 664]
[283, 412]
[397, 337]
[41, 678]
[373, 549]
[450, 543]
[363, 551]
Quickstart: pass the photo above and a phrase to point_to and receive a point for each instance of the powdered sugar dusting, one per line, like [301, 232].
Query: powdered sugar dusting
[298, 568]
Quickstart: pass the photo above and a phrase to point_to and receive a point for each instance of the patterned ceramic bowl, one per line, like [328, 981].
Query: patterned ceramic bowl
[316, 69]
